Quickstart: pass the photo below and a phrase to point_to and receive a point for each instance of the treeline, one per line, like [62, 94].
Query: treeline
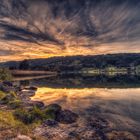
[78, 62]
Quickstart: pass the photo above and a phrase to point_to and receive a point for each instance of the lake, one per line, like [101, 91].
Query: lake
[113, 101]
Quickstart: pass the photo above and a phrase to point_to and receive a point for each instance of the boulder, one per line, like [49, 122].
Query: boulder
[8, 83]
[50, 122]
[67, 117]
[31, 88]
[6, 88]
[54, 107]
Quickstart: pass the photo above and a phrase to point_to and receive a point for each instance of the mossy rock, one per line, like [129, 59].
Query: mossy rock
[53, 108]
[49, 114]
[38, 113]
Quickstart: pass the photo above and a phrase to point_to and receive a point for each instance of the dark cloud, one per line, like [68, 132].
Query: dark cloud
[102, 21]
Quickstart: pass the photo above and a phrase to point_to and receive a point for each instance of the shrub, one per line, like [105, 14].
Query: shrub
[34, 115]
[8, 98]
[24, 115]
[15, 104]
[5, 74]
[38, 113]
[8, 121]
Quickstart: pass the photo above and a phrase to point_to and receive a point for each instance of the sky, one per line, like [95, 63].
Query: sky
[45, 28]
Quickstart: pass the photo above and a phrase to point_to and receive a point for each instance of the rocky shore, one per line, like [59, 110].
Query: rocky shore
[50, 122]
[18, 101]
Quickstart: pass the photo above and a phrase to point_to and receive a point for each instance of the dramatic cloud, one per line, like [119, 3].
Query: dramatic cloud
[44, 28]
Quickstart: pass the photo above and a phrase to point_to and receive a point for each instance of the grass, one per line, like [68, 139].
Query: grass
[10, 99]
[26, 116]
[10, 127]
[2, 95]
[35, 115]
[7, 121]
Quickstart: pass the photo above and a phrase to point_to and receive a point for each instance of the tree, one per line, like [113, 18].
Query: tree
[24, 65]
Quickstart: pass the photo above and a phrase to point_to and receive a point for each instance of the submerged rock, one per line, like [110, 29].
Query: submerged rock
[67, 117]
[121, 135]
[90, 135]
[98, 123]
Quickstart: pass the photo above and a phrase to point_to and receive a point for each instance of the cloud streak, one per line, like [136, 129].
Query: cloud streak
[90, 26]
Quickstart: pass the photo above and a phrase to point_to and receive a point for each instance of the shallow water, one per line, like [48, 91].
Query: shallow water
[119, 106]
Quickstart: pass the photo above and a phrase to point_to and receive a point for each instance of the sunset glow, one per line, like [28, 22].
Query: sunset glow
[20, 50]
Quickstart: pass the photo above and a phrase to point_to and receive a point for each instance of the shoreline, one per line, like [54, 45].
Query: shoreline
[66, 126]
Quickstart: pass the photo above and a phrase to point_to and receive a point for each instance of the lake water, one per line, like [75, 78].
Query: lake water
[115, 99]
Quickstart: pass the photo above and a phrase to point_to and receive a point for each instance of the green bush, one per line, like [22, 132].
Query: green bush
[24, 115]
[5, 74]
[15, 104]
[8, 98]
[34, 115]
[38, 113]
[9, 122]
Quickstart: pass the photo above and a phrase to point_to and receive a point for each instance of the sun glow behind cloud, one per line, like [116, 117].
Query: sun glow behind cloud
[41, 29]
[21, 50]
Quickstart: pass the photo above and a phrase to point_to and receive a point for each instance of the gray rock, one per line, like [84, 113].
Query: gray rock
[51, 123]
[67, 117]
[8, 83]
[98, 123]
[6, 88]
[31, 88]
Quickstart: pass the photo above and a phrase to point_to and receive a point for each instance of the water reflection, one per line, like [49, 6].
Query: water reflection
[116, 99]
[119, 106]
